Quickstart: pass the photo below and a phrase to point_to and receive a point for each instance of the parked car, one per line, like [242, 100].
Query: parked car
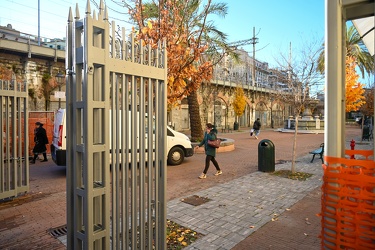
[178, 145]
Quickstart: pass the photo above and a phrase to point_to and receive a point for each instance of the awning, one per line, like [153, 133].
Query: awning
[366, 29]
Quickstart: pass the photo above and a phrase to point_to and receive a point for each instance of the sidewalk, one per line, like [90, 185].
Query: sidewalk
[239, 209]
[254, 211]
[259, 210]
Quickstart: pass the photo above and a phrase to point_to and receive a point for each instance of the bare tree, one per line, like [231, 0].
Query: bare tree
[301, 75]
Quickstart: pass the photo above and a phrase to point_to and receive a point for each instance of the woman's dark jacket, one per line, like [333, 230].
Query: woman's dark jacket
[207, 148]
[40, 139]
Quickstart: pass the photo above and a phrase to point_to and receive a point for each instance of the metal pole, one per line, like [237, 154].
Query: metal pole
[254, 41]
[38, 22]
[59, 94]
[226, 116]
[214, 110]
[59, 78]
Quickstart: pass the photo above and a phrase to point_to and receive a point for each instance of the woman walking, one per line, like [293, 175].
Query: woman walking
[210, 151]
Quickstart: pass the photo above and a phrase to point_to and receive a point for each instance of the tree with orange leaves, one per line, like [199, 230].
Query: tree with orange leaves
[239, 103]
[367, 109]
[354, 90]
[5, 74]
[190, 37]
[8, 74]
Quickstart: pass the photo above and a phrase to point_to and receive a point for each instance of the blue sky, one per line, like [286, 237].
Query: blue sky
[277, 22]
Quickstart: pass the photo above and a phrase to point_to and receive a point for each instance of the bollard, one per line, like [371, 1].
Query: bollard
[352, 145]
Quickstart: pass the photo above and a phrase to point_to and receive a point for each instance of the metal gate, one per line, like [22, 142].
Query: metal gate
[116, 137]
[14, 164]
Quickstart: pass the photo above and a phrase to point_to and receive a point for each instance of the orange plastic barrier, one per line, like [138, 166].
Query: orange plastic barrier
[348, 202]
[360, 153]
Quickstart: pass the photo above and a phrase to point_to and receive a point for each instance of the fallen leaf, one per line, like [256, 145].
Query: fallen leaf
[274, 219]
[288, 209]
[251, 226]
[184, 243]
[181, 238]
[307, 219]
[308, 223]
[305, 234]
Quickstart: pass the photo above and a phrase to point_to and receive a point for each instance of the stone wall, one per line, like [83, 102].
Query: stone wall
[31, 71]
[215, 104]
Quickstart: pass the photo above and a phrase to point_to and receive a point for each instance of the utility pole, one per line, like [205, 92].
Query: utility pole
[38, 22]
[253, 41]
[290, 63]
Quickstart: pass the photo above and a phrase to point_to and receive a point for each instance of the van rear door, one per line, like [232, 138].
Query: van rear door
[59, 130]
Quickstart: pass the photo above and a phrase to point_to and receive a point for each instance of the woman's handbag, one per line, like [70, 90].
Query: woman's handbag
[251, 132]
[214, 143]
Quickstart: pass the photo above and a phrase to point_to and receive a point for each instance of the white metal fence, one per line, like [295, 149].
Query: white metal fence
[14, 165]
[116, 137]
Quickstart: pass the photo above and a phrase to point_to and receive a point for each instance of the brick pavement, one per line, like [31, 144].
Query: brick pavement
[24, 221]
[297, 228]
[182, 180]
[24, 225]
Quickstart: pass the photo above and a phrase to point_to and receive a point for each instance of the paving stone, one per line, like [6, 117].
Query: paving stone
[241, 210]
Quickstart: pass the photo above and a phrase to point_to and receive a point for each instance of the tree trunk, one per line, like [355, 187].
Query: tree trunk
[195, 120]
[294, 146]
[46, 104]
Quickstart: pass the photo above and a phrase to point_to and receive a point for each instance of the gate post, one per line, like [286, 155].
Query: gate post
[116, 137]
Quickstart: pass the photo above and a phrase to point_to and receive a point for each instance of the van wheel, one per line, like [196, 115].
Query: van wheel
[175, 156]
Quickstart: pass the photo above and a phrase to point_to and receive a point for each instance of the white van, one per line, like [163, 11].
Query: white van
[178, 144]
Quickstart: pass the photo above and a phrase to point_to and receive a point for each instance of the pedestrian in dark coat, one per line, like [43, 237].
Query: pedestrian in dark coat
[256, 128]
[210, 151]
[40, 139]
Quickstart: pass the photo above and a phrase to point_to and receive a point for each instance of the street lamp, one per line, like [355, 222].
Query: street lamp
[59, 77]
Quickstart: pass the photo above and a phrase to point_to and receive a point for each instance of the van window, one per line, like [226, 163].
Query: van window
[169, 132]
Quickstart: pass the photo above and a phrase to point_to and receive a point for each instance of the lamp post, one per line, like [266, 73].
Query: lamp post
[215, 96]
[271, 100]
[225, 108]
[59, 77]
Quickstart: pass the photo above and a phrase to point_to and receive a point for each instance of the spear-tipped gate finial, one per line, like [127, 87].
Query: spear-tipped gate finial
[77, 12]
[88, 8]
[70, 15]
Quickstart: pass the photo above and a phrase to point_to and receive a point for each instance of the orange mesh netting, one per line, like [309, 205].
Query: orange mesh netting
[348, 202]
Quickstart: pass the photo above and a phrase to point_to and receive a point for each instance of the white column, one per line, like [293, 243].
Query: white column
[334, 105]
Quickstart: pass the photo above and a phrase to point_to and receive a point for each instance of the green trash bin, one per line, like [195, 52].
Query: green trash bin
[236, 126]
[266, 156]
